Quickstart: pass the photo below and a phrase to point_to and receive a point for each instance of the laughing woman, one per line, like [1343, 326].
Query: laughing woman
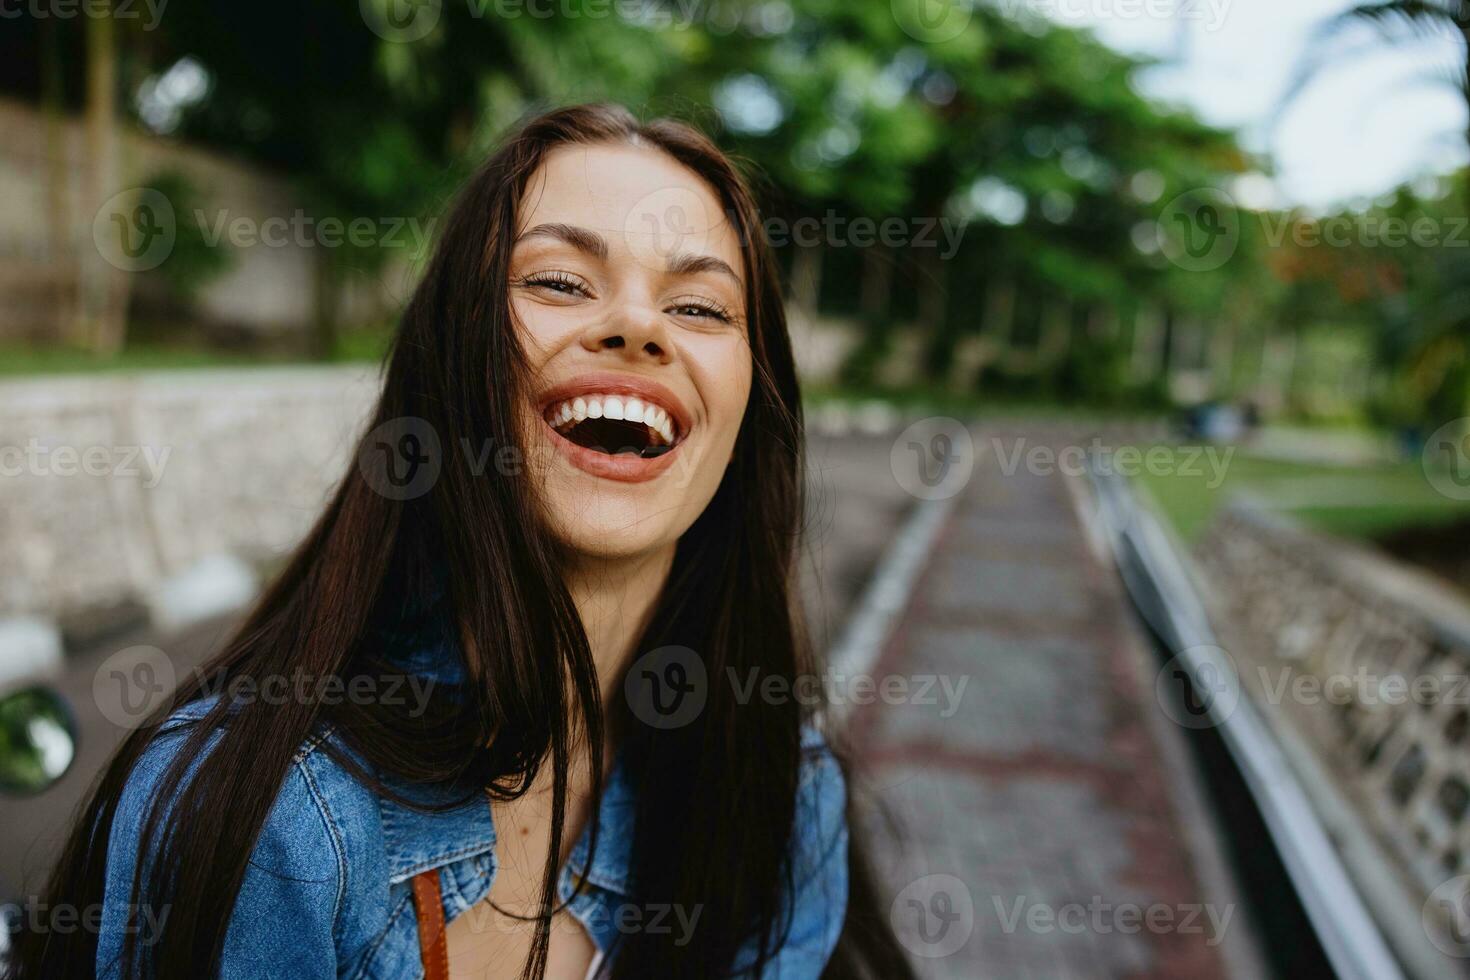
[572, 527]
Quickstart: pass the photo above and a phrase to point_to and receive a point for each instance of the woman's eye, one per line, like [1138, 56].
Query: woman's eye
[700, 309]
[555, 282]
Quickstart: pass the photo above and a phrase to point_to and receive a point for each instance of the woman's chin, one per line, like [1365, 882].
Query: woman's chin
[606, 525]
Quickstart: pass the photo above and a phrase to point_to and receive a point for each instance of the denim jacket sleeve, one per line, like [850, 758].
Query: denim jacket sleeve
[286, 913]
[817, 905]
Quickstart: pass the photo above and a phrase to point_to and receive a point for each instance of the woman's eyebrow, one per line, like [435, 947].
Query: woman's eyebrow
[579, 238]
[684, 264]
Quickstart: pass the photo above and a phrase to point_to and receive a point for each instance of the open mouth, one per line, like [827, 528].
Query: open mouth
[615, 425]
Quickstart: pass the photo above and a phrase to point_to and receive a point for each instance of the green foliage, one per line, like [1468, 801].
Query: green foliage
[193, 262]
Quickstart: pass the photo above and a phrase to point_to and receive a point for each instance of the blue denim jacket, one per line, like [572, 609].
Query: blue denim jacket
[327, 892]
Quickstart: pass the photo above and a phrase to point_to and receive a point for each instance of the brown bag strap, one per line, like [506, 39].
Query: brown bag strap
[429, 908]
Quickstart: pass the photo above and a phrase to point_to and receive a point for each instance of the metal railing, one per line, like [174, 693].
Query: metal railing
[1165, 596]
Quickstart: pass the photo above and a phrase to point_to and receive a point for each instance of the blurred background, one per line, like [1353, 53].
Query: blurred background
[1136, 342]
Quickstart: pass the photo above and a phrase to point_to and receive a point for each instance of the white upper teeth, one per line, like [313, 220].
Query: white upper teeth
[613, 407]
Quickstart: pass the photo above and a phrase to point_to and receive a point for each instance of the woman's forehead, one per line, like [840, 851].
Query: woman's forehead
[637, 198]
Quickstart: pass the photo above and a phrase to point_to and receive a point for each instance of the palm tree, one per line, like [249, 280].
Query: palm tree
[1397, 20]
[1425, 347]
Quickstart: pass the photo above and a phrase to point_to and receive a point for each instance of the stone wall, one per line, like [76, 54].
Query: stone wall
[1364, 663]
[114, 486]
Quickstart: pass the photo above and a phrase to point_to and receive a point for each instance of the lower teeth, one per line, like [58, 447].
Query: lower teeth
[647, 452]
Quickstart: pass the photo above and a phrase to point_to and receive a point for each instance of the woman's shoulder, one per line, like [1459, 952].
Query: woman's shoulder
[314, 856]
[320, 799]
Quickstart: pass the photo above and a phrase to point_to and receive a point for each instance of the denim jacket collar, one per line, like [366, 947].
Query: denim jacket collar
[418, 840]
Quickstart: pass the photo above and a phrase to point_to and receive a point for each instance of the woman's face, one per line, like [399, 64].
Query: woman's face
[628, 288]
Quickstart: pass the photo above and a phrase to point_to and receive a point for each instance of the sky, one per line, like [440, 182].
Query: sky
[1377, 118]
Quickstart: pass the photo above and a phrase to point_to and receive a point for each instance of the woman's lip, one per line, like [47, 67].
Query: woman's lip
[624, 467]
[611, 383]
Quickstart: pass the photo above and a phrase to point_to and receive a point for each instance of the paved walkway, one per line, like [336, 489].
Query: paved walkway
[1037, 832]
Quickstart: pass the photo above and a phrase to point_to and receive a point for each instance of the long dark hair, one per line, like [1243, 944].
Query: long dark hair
[478, 541]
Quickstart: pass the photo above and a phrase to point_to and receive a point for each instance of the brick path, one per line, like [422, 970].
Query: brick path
[1045, 792]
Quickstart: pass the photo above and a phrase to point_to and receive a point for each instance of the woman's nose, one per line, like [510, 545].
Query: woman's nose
[639, 333]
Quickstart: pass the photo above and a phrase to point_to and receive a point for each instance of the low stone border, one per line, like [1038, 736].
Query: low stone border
[1367, 663]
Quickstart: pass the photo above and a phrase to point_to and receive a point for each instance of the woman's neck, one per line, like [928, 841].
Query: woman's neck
[616, 598]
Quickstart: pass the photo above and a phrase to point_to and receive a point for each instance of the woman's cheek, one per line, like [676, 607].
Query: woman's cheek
[731, 380]
[545, 327]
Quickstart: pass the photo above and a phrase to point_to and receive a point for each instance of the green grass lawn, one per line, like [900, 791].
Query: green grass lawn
[18, 361]
[1355, 501]
[22, 360]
